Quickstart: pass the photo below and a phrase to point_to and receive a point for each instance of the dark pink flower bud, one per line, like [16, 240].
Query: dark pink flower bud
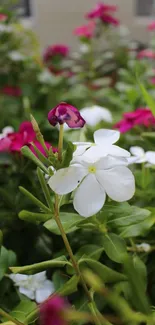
[65, 113]
[50, 311]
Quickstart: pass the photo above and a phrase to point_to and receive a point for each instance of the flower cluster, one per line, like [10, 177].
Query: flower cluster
[95, 166]
[86, 31]
[139, 156]
[53, 56]
[103, 12]
[14, 141]
[142, 117]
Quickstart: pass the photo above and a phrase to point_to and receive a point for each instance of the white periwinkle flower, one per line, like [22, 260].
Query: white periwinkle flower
[92, 179]
[45, 77]
[7, 130]
[95, 114]
[144, 247]
[16, 56]
[104, 144]
[140, 156]
[36, 287]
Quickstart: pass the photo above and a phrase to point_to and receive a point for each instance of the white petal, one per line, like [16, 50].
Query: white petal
[7, 130]
[89, 197]
[98, 151]
[39, 277]
[44, 292]
[132, 160]
[80, 150]
[95, 114]
[66, 180]
[103, 136]
[17, 278]
[137, 151]
[150, 157]
[110, 162]
[27, 292]
[118, 183]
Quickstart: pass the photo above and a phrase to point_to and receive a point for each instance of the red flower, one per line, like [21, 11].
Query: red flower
[55, 50]
[147, 53]
[86, 31]
[3, 17]
[151, 26]
[51, 311]
[142, 116]
[14, 141]
[13, 91]
[65, 113]
[99, 10]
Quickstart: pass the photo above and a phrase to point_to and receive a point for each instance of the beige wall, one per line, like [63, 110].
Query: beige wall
[54, 20]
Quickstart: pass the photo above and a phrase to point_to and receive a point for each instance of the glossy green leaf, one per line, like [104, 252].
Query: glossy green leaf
[114, 247]
[34, 217]
[150, 102]
[7, 259]
[28, 154]
[68, 220]
[21, 311]
[37, 202]
[68, 155]
[69, 287]
[45, 188]
[93, 251]
[105, 273]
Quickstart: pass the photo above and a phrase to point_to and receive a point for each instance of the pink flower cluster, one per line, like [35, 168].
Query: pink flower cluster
[12, 91]
[147, 53]
[3, 17]
[142, 117]
[14, 141]
[51, 311]
[151, 26]
[103, 12]
[86, 31]
[55, 50]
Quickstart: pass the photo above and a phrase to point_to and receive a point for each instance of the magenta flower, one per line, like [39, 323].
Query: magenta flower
[51, 311]
[147, 53]
[13, 91]
[3, 17]
[14, 141]
[65, 113]
[86, 31]
[99, 10]
[142, 117]
[56, 50]
[153, 80]
[110, 20]
[151, 26]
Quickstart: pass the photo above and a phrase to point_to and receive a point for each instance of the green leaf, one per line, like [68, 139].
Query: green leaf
[28, 154]
[35, 218]
[23, 309]
[93, 251]
[45, 188]
[69, 287]
[68, 155]
[150, 102]
[105, 273]
[41, 157]
[37, 267]
[37, 202]
[7, 259]
[1, 239]
[136, 279]
[114, 247]
[68, 220]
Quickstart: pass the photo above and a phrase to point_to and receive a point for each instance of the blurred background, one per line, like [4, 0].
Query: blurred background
[54, 20]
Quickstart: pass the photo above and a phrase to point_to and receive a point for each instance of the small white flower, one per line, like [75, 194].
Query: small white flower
[16, 56]
[45, 77]
[36, 287]
[95, 114]
[140, 156]
[6, 131]
[104, 144]
[84, 48]
[92, 179]
[5, 28]
[144, 247]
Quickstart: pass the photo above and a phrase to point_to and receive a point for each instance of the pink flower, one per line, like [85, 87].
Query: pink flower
[151, 26]
[99, 10]
[13, 91]
[14, 141]
[153, 80]
[142, 116]
[86, 31]
[55, 50]
[110, 20]
[147, 53]
[3, 17]
[51, 311]
[65, 113]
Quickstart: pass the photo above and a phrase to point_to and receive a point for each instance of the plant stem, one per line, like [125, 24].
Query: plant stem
[68, 247]
[60, 144]
[9, 317]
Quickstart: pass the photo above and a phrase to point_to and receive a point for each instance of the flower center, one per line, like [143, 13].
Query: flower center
[92, 169]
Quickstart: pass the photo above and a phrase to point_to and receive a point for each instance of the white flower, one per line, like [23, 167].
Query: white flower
[92, 179]
[140, 156]
[45, 77]
[84, 48]
[6, 131]
[16, 56]
[144, 247]
[5, 28]
[95, 114]
[104, 144]
[36, 287]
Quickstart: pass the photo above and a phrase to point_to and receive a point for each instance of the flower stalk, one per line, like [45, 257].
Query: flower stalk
[60, 143]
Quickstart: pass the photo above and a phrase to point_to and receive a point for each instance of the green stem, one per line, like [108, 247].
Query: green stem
[143, 176]
[60, 143]
[9, 317]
